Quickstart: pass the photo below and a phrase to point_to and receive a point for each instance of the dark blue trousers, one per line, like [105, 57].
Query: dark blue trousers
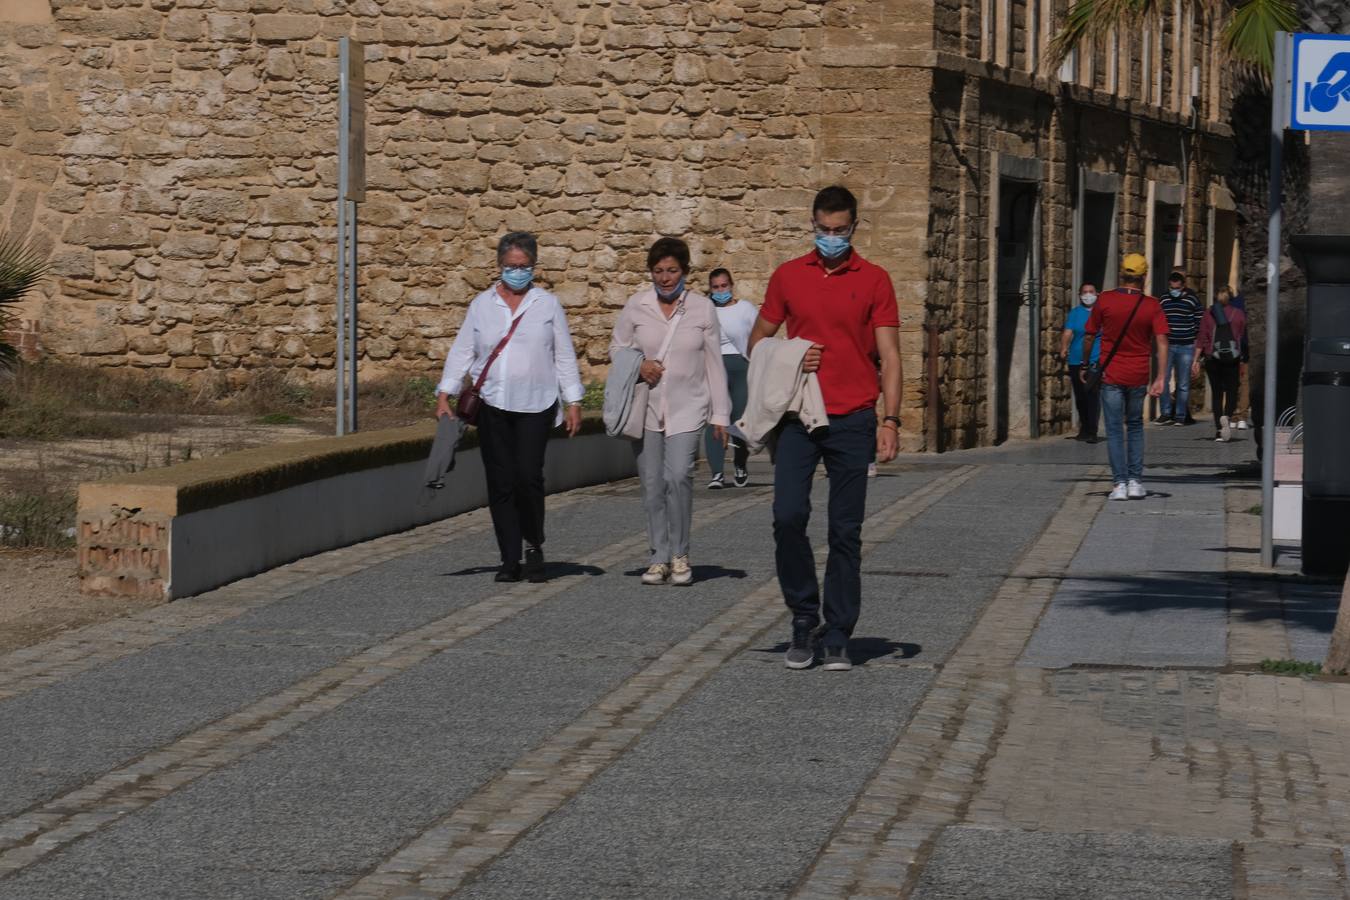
[846, 447]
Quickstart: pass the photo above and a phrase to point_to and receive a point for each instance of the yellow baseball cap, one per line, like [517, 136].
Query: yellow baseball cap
[1134, 264]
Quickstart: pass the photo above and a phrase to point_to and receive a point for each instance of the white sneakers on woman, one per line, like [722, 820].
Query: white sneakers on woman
[1131, 490]
[678, 573]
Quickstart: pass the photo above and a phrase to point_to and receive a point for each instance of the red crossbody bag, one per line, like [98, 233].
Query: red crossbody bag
[470, 401]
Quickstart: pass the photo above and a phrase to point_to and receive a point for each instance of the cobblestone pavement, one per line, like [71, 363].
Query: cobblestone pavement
[1054, 697]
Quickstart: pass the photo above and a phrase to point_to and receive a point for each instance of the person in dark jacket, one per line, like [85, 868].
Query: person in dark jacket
[1222, 347]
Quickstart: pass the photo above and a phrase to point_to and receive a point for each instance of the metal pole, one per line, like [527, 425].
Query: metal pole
[1278, 119]
[340, 331]
[351, 316]
[344, 103]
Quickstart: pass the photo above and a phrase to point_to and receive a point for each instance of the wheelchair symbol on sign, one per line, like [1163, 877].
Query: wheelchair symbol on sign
[1332, 86]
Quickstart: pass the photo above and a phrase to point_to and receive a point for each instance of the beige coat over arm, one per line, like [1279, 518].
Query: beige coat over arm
[693, 391]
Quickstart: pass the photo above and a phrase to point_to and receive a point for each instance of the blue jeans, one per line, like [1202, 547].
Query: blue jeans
[846, 446]
[1123, 413]
[1178, 360]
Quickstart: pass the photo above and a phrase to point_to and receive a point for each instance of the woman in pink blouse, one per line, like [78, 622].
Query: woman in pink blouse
[688, 391]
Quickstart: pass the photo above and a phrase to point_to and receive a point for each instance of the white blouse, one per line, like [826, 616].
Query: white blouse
[736, 320]
[538, 365]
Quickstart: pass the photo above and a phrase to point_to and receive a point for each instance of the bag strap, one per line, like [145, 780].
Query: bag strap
[1121, 339]
[1220, 316]
[670, 331]
[482, 376]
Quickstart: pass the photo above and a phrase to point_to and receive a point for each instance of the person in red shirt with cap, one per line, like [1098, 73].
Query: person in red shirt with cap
[846, 307]
[1130, 322]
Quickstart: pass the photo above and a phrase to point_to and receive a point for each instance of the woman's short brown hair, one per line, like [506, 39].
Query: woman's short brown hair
[665, 247]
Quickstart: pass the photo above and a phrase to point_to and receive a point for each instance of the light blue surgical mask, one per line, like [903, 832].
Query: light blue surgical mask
[673, 292]
[518, 278]
[832, 246]
[1175, 292]
[721, 298]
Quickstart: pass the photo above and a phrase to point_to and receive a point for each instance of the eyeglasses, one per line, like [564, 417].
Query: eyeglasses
[841, 231]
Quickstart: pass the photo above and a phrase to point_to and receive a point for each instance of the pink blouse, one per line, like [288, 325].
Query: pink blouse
[693, 391]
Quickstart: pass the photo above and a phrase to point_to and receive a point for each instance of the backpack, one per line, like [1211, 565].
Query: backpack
[1226, 349]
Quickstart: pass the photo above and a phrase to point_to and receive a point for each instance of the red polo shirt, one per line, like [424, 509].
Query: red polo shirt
[839, 310]
[1112, 310]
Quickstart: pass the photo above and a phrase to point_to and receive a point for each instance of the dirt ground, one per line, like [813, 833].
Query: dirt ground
[39, 589]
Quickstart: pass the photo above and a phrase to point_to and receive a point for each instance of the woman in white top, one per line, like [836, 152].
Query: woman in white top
[736, 318]
[521, 393]
[688, 392]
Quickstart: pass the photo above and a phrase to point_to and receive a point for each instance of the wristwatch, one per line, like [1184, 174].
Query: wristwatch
[895, 419]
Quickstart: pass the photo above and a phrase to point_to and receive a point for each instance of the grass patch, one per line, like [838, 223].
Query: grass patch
[594, 398]
[277, 418]
[1255, 510]
[1290, 667]
[41, 516]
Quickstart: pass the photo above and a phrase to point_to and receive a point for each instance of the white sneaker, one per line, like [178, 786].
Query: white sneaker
[1242, 425]
[657, 574]
[1225, 429]
[680, 573]
[1119, 492]
[1135, 490]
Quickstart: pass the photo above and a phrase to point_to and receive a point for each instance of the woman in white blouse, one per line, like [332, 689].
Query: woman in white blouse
[521, 397]
[735, 318]
[688, 391]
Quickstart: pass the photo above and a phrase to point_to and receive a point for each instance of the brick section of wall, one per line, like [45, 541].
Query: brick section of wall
[123, 552]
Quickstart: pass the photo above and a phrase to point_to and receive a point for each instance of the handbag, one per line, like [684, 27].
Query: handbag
[636, 424]
[470, 400]
[1093, 381]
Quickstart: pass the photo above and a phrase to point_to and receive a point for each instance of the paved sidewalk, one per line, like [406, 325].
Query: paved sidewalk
[1054, 698]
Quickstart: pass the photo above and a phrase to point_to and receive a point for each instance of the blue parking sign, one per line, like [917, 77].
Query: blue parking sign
[1320, 72]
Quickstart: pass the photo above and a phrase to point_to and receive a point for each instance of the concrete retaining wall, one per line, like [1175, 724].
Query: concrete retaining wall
[135, 540]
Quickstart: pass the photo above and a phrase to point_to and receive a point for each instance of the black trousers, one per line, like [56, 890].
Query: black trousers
[846, 446]
[1087, 402]
[512, 445]
[1224, 380]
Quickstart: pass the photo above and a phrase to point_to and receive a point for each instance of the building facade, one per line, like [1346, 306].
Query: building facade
[179, 159]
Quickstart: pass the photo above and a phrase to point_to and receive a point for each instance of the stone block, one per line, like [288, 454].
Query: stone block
[190, 246]
[288, 208]
[282, 27]
[216, 206]
[102, 232]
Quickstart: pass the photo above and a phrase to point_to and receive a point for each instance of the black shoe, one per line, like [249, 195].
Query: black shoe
[1187, 421]
[742, 477]
[836, 659]
[509, 572]
[802, 652]
[1163, 420]
[1093, 440]
[534, 565]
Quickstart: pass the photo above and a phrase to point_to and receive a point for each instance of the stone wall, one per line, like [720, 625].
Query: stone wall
[179, 157]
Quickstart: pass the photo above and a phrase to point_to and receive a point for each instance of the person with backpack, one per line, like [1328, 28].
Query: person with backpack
[1222, 346]
[1130, 323]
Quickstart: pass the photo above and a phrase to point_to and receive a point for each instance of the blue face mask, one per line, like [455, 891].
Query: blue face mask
[518, 278]
[1175, 292]
[721, 298]
[673, 292]
[832, 246]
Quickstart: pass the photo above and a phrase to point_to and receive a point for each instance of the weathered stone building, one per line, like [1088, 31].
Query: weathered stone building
[179, 157]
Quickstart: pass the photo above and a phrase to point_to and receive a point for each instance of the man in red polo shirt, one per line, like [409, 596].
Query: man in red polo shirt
[1131, 324]
[846, 306]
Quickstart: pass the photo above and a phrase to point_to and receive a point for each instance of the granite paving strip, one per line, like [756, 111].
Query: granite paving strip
[927, 779]
[53, 661]
[458, 846]
[733, 793]
[1148, 585]
[37, 832]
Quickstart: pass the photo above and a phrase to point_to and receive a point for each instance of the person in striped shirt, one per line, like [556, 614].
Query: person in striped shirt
[1183, 310]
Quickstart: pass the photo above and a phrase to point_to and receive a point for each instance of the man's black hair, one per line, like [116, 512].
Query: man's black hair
[836, 198]
[1177, 276]
[715, 272]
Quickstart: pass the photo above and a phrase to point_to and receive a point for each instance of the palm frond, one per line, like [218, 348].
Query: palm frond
[1249, 36]
[1088, 20]
[21, 268]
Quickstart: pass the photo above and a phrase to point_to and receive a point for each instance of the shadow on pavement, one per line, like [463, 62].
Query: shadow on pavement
[863, 650]
[703, 573]
[1301, 602]
[551, 570]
